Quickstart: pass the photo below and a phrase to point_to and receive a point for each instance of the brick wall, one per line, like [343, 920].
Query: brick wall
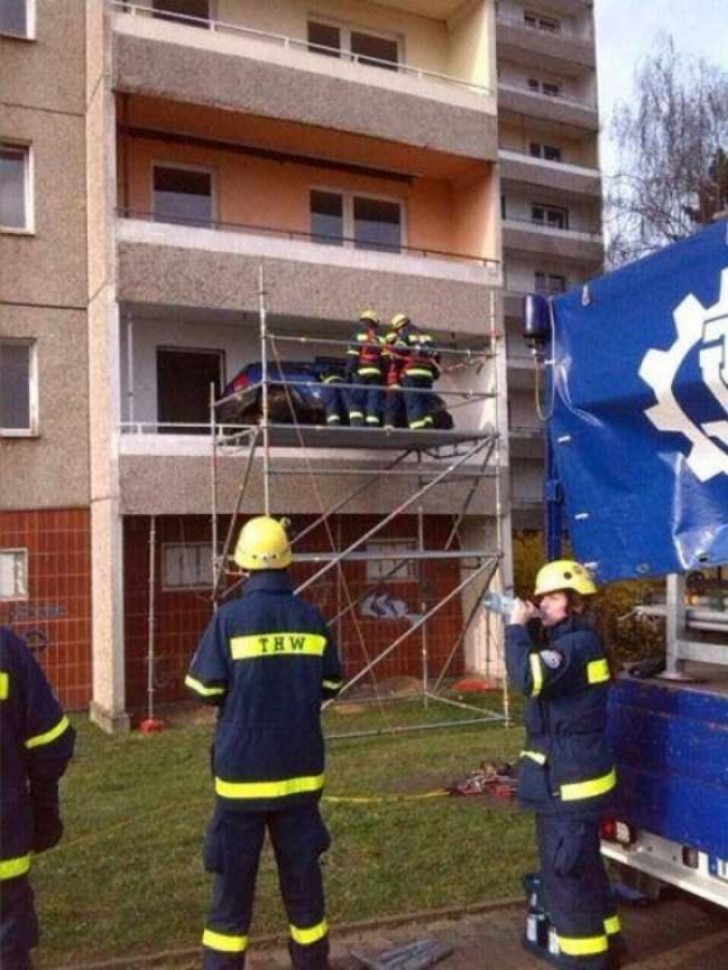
[56, 615]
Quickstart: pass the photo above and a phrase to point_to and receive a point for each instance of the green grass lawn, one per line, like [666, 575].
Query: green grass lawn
[128, 877]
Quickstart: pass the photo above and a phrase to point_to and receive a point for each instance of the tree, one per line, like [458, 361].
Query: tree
[672, 174]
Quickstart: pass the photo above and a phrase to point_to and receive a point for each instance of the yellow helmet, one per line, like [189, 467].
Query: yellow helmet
[263, 544]
[399, 320]
[371, 315]
[564, 574]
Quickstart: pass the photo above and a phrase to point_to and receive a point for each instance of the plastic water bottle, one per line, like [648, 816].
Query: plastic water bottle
[499, 603]
[553, 946]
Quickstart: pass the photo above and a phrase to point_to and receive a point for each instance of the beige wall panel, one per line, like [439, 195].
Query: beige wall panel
[181, 486]
[194, 278]
[206, 77]
[51, 470]
[49, 266]
[47, 72]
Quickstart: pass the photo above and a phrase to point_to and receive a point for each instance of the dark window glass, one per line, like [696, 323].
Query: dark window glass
[374, 50]
[14, 17]
[327, 218]
[550, 284]
[377, 224]
[535, 149]
[13, 173]
[181, 10]
[534, 84]
[183, 388]
[182, 196]
[548, 216]
[551, 153]
[551, 89]
[324, 39]
[15, 363]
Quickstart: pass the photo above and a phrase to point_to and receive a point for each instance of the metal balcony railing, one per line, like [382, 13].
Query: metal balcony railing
[295, 43]
[346, 242]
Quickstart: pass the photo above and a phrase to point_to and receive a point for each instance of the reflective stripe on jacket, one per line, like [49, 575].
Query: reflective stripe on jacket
[36, 744]
[365, 351]
[566, 762]
[269, 660]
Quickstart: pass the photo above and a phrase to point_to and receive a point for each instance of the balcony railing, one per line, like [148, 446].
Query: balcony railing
[335, 242]
[521, 88]
[591, 231]
[295, 43]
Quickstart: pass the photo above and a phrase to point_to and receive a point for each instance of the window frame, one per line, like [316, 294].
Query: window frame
[172, 349]
[538, 85]
[29, 188]
[22, 551]
[549, 208]
[348, 196]
[183, 167]
[345, 31]
[30, 19]
[165, 585]
[377, 569]
[33, 395]
[541, 21]
[542, 148]
[548, 278]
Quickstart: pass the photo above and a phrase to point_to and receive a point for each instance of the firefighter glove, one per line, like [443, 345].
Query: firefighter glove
[47, 824]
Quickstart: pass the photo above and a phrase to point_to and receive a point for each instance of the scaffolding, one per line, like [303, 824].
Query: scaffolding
[420, 462]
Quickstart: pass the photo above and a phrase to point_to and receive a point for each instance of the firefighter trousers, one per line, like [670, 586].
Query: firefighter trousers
[577, 891]
[233, 845]
[417, 400]
[18, 923]
[365, 400]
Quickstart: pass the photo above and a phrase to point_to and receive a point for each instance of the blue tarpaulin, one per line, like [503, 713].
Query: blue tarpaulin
[640, 411]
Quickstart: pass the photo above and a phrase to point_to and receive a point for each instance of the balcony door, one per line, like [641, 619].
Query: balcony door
[183, 388]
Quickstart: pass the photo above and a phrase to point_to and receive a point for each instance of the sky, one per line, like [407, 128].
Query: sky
[626, 33]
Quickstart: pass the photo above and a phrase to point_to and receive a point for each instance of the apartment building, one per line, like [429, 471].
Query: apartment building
[188, 187]
[550, 189]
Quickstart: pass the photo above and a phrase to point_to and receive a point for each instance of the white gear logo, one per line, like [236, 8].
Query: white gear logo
[694, 324]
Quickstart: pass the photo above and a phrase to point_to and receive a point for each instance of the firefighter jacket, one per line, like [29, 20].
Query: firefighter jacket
[268, 659]
[364, 356]
[36, 744]
[412, 353]
[567, 764]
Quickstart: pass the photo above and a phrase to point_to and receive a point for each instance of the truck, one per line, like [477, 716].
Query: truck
[637, 474]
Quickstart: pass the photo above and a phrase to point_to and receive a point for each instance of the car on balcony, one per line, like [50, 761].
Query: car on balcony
[295, 394]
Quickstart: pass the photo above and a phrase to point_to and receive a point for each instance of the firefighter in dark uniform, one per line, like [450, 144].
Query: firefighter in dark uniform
[36, 744]
[413, 366]
[567, 770]
[268, 660]
[364, 370]
[334, 397]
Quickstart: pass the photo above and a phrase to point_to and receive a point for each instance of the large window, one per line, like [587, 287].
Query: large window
[368, 48]
[18, 388]
[551, 88]
[196, 13]
[552, 216]
[16, 18]
[371, 223]
[186, 566]
[183, 195]
[15, 188]
[183, 388]
[548, 152]
[13, 574]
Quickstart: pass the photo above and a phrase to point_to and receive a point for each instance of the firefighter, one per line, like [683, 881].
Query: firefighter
[566, 768]
[36, 744]
[413, 366]
[364, 370]
[268, 660]
[333, 396]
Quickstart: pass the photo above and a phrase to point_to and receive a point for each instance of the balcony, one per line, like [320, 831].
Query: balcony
[558, 52]
[575, 180]
[238, 68]
[528, 237]
[218, 268]
[575, 116]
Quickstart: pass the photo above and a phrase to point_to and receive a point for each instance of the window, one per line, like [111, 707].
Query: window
[186, 566]
[540, 21]
[324, 39]
[181, 11]
[327, 218]
[15, 188]
[337, 41]
[387, 567]
[550, 284]
[551, 88]
[16, 18]
[548, 152]
[550, 215]
[13, 574]
[182, 195]
[183, 388]
[18, 388]
[371, 223]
